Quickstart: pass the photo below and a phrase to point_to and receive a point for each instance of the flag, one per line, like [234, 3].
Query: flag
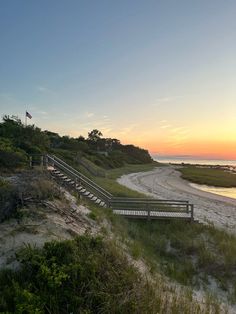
[28, 115]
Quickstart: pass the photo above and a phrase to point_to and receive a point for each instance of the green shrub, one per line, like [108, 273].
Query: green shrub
[10, 157]
[85, 275]
[8, 200]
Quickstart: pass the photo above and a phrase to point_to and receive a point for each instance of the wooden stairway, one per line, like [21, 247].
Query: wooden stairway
[79, 188]
[143, 208]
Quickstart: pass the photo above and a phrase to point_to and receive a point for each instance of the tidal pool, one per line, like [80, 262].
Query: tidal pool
[229, 192]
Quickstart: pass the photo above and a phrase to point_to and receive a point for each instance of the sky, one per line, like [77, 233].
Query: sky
[158, 74]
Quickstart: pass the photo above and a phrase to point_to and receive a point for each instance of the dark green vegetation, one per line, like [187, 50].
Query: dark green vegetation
[94, 154]
[208, 176]
[33, 185]
[101, 159]
[8, 200]
[86, 275]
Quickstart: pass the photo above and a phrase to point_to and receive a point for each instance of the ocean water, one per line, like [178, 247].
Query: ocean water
[228, 192]
[193, 161]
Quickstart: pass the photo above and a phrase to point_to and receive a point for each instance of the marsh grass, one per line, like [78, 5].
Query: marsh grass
[208, 176]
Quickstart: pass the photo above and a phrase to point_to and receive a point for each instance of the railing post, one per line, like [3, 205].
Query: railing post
[30, 161]
[148, 212]
[41, 161]
[192, 218]
[46, 161]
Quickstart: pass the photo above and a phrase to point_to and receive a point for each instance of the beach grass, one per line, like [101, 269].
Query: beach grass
[111, 185]
[194, 255]
[117, 172]
[208, 176]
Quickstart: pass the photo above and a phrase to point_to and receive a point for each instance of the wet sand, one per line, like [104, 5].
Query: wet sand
[166, 183]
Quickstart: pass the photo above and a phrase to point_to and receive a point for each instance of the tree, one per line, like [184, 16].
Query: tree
[94, 135]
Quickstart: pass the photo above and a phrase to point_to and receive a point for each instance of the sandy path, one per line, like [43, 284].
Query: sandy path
[166, 183]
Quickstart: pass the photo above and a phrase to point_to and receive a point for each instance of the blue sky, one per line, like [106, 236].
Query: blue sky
[156, 73]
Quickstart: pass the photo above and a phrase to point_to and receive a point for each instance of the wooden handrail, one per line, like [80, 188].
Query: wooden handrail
[106, 196]
[123, 203]
[80, 175]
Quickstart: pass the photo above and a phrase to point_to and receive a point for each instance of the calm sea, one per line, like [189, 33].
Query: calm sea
[229, 192]
[193, 161]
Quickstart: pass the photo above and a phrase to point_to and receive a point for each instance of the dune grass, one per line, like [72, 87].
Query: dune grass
[208, 176]
[109, 182]
[117, 172]
[87, 275]
[193, 255]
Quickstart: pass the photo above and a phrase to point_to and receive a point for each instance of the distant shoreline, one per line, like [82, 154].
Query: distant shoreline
[194, 161]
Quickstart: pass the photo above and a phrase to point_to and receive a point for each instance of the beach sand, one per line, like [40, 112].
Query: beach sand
[166, 183]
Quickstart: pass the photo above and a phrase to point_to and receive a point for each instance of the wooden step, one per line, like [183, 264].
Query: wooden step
[55, 171]
[60, 174]
[79, 188]
[67, 180]
[86, 193]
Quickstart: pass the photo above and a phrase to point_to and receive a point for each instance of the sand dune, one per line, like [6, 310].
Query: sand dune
[166, 183]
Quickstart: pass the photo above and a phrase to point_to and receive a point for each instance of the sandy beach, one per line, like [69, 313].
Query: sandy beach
[166, 183]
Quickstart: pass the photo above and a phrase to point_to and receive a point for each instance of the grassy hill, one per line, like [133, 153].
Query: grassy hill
[102, 273]
[94, 154]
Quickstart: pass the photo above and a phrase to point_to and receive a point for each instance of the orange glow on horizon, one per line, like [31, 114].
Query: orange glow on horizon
[207, 149]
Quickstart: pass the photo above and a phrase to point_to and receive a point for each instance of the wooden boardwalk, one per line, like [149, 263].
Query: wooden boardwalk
[135, 214]
[140, 208]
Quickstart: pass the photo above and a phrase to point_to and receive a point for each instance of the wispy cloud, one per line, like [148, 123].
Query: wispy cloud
[89, 121]
[45, 90]
[175, 136]
[165, 124]
[44, 113]
[89, 114]
[166, 99]
[127, 130]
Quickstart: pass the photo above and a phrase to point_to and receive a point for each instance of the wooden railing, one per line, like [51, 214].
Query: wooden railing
[140, 207]
[152, 206]
[79, 178]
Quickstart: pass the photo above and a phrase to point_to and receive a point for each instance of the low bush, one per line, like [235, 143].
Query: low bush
[85, 275]
[8, 200]
[43, 189]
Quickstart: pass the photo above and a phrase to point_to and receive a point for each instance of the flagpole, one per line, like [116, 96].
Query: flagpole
[25, 119]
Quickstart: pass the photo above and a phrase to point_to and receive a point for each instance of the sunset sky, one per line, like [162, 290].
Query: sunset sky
[159, 74]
